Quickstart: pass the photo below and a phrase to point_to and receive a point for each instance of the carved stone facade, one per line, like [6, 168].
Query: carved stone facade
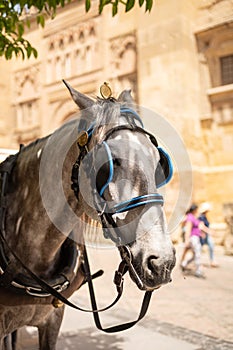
[177, 60]
[123, 63]
[73, 52]
[27, 104]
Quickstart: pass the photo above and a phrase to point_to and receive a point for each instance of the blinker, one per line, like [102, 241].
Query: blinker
[82, 138]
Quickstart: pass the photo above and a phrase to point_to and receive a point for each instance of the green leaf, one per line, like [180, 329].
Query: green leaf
[28, 23]
[29, 51]
[35, 53]
[114, 9]
[40, 4]
[103, 3]
[22, 52]
[88, 5]
[40, 20]
[149, 4]
[129, 5]
[9, 51]
[20, 29]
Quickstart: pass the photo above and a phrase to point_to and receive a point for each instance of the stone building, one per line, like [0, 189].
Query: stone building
[178, 61]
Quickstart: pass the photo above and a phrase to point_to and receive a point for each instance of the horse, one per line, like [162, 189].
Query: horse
[103, 167]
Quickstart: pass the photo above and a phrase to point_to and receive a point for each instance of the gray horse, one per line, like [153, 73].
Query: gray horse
[113, 183]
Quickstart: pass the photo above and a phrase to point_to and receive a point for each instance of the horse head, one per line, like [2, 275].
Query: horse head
[116, 179]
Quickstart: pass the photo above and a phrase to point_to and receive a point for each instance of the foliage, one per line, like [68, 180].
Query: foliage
[16, 15]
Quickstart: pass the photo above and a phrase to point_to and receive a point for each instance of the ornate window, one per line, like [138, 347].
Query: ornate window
[73, 51]
[226, 63]
[27, 104]
[123, 58]
[215, 46]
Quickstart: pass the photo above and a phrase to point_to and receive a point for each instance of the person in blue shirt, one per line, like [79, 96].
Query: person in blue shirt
[206, 238]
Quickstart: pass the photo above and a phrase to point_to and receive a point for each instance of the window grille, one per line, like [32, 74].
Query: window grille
[226, 64]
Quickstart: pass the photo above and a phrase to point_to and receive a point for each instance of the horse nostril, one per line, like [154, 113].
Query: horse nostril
[151, 262]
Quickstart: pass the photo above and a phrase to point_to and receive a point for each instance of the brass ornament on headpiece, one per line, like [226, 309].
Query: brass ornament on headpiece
[82, 139]
[105, 91]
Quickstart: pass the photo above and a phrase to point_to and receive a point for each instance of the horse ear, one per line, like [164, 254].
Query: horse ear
[125, 96]
[81, 100]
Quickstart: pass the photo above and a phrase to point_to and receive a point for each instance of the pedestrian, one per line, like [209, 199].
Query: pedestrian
[183, 226]
[187, 246]
[193, 232]
[206, 238]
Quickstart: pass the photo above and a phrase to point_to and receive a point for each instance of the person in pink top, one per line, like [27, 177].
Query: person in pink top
[193, 232]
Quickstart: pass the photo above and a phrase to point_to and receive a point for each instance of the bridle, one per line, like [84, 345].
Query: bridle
[105, 212]
[106, 217]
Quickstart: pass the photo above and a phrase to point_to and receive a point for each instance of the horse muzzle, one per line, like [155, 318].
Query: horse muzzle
[158, 272]
[152, 273]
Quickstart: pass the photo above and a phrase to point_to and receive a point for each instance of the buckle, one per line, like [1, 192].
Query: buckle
[118, 279]
[38, 292]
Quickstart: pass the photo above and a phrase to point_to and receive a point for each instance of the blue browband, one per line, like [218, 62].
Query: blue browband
[131, 111]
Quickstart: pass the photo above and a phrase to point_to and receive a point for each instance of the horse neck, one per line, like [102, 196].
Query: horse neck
[29, 229]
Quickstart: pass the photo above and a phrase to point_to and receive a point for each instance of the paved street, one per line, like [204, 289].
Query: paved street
[188, 314]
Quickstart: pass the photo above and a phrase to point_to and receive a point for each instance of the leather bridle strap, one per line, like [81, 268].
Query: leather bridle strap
[120, 327]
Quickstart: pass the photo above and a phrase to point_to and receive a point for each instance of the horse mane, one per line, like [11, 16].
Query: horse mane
[109, 112]
[103, 115]
[33, 144]
[36, 144]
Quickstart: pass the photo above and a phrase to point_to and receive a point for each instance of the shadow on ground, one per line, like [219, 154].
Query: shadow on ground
[89, 340]
[84, 339]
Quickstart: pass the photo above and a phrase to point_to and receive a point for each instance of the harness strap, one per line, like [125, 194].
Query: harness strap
[5, 169]
[120, 327]
[50, 290]
[8, 296]
[118, 281]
